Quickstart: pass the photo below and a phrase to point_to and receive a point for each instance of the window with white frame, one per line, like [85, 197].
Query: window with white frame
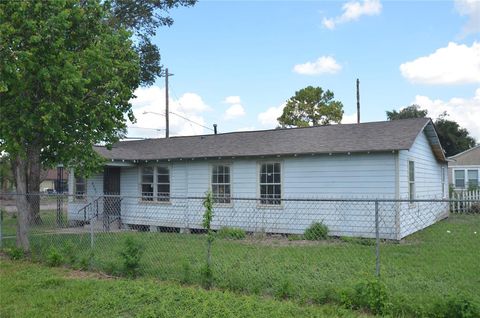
[80, 188]
[270, 183]
[147, 183]
[155, 183]
[411, 180]
[443, 181]
[163, 184]
[472, 178]
[221, 188]
[459, 178]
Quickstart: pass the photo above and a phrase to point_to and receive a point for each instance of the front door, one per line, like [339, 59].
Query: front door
[111, 188]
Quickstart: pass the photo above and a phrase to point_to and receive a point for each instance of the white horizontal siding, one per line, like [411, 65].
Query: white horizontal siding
[428, 185]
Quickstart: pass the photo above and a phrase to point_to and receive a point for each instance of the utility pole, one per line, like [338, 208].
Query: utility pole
[167, 122]
[358, 101]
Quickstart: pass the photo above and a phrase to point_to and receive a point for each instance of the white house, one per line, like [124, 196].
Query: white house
[399, 159]
[464, 169]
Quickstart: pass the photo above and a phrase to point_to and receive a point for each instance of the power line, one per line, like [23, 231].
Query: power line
[178, 101]
[187, 119]
[146, 128]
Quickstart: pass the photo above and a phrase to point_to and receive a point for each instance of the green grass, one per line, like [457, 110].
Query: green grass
[32, 290]
[419, 273]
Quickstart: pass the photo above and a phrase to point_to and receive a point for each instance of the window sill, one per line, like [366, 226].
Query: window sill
[141, 202]
[271, 206]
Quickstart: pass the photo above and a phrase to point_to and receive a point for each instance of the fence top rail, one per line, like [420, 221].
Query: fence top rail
[285, 199]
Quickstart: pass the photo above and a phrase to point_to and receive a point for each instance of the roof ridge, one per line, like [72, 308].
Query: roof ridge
[274, 129]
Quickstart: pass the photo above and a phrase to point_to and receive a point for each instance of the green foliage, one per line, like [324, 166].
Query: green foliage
[369, 294]
[458, 306]
[295, 237]
[311, 106]
[316, 231]
[35, 291]
[54, 257]
[69, 78]
[231, 233]
[207, 272]
[208, 214]
[284, 290]
[412, 111]
[14, 253]
[131, 255]
[453, 138]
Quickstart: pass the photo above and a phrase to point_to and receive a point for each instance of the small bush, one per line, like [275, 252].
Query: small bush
[231, 233]
[54, 257]
[369, 294]
[457, 307]
[316, 231]
[14, 253]
[131, 255]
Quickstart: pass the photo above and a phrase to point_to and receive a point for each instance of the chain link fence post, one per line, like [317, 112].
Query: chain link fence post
[377, 240]
[91, 229]
[1, 225]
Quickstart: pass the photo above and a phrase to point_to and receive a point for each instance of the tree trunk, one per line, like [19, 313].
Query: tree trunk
[20, 168]
[33, 184]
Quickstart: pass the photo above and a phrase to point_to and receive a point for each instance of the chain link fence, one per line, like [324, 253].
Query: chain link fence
[315, 250]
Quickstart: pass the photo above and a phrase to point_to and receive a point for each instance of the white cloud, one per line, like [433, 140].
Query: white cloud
[152, 99]
[323, 65]
[234, 111]
[232, 100]
[466, 112]
[471, 9]
[269, 117]
[454, 64]
[352, 11]
[349, 119]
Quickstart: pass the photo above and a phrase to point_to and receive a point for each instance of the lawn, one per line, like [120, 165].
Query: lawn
[428, 268]
[33, 290]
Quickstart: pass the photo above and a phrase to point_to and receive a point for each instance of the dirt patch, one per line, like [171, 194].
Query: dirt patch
[282, 241]
[78, 274]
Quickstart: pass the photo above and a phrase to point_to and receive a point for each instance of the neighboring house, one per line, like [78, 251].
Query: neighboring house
[399, 159]
[464, 169]
[50, 181]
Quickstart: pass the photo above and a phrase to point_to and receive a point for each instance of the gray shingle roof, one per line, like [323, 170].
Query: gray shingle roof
[374, 137]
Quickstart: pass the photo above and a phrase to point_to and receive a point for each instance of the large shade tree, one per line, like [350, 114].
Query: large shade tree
[68, 70]
[311, 106]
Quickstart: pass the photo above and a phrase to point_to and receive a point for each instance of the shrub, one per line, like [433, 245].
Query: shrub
[231, 233]
[131, 255]
[372, 295]
[316, 231]
[14, 253]
[457, 307]
[54, 257]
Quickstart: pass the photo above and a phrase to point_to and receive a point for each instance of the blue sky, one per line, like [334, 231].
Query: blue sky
[236, 63]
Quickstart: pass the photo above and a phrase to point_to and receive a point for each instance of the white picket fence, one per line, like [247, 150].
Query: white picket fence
[464, 200]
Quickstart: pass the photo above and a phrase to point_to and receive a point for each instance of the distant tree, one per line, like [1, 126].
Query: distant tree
[453, 138]
[412, 111]
[311, 106]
